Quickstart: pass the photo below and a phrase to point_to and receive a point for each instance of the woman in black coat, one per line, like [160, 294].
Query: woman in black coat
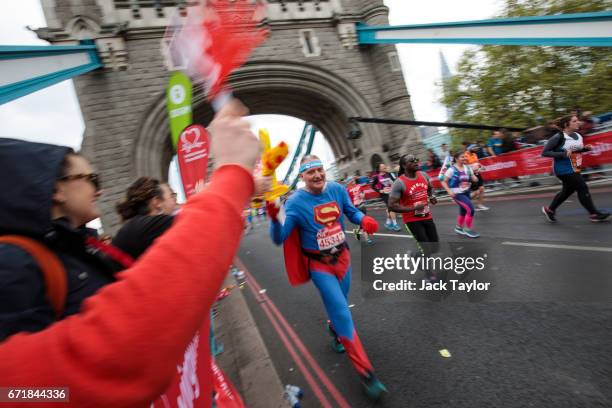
[48, 194]
[147, 212]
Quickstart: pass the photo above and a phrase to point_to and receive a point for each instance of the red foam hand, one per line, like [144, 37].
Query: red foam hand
[272, 210]
[369, 224]
[231, 30]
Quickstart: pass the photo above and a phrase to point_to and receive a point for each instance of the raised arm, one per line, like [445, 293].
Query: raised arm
[122, 349]
[279, 232]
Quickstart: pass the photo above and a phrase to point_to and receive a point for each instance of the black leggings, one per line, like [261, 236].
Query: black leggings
[574, 182]
[424, 232]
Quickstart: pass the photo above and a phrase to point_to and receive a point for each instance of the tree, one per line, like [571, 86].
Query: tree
[522, 86]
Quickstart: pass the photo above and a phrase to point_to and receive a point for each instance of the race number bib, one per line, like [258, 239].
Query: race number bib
[576, 159]
[465, 185]
[386, 190]
[330, 237]
[424, 212]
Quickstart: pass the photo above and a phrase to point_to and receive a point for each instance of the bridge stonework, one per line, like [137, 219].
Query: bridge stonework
[310, 67]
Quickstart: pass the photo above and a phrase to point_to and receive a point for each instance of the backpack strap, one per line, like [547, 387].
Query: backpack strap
[54, 274]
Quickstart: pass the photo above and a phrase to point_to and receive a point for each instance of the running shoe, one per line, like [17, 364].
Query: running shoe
[470, 233]
[336, 345]
[459, 230]
[599, 217]
[372, 386]
[357, 232]
[396, 227]
[389, 225]
[370, 241]
[549, 214]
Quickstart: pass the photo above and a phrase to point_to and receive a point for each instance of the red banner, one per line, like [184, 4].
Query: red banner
[189, 383]
[226, 395]
[530, 161]
[192, 154]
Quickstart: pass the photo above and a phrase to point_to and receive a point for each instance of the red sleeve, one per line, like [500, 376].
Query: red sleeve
[121, 350]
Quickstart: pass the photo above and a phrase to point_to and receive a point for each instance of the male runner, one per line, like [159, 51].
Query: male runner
[315, 248]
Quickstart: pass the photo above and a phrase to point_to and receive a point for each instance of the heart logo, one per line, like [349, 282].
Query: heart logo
[193, 158]
[190, 139]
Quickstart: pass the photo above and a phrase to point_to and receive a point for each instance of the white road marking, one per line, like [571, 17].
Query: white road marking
[558, 246]
[385, 235]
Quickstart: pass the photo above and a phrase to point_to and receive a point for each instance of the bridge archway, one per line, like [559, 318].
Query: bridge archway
[304, 91]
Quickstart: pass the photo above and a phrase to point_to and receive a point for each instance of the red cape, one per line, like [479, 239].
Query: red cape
[296, 263]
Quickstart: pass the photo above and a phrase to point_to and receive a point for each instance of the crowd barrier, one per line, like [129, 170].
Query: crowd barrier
[529, 161]
[526, 162]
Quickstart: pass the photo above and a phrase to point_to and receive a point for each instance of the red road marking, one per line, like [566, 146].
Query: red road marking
[298, 361]
[294, 337]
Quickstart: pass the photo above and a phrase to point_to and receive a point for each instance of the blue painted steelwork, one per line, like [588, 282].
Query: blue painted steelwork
[368, 34]
[298, 150]
[25, 87]
[311, 138]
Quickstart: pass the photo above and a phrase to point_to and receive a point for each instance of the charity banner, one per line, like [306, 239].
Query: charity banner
[178, 104]
[530, 161]
[192, 380]
[192, 154]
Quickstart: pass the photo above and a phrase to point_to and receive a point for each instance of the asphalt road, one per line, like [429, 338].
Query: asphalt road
[541, 338]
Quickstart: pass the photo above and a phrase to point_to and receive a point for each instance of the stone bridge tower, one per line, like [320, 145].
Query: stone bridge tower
[311, 68]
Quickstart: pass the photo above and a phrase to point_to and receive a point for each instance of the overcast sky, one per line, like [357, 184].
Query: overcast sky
[52, 115]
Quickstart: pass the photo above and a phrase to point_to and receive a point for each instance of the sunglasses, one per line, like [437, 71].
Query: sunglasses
[93, 178]
[413, 160]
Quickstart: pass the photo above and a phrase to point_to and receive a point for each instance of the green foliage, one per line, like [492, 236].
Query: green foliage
[525, 86]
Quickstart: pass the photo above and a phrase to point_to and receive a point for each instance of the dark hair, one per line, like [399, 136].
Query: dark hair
[564, 121]
[65, 165]
[138, 196]
[401, 162]
[457, 154]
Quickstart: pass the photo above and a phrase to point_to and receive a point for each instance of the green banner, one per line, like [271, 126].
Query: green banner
[178, 102]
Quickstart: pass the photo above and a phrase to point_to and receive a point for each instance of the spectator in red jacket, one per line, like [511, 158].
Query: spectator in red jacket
[122, 348]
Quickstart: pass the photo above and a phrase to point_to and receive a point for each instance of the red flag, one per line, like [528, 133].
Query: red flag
[192, 154]
[217, 38]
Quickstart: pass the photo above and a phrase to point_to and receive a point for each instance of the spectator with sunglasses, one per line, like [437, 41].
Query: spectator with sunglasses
[49, 194]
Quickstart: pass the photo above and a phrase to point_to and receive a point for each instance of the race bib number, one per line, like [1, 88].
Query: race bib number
[330, 237]
[386, 190]
[576, 159]
[465, 185]
[424, 212]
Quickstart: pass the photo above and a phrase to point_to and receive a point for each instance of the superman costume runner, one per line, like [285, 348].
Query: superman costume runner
[315, 249]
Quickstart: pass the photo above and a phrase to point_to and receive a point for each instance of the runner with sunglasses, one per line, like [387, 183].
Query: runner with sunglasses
[411, 195]
[457, 183]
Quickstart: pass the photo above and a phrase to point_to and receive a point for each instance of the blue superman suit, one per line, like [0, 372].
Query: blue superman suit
[314, 225]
